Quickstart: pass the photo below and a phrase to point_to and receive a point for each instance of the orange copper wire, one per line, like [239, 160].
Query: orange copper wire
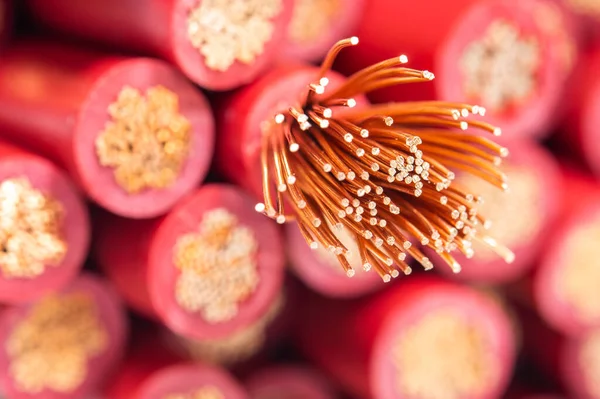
[384, 172]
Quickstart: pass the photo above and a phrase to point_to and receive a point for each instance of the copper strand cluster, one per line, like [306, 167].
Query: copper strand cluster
[384, 172]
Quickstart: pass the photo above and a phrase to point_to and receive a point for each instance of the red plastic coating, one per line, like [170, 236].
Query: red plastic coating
[434, 34]
[110, 313]
[288, 382]
[359, 358]
[531, 158]
[55, 100]
[137, 256]
[156, 27]
[44, 176]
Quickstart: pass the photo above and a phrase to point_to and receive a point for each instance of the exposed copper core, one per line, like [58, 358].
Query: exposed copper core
[591, 7]
[500, 69]
[515, 216]
[218, 266]
[30, 230]
[442, 356]
[50, 348]
[208, 392]
[310, 18]
[581, 271]
[237, 347]
[146, 141]
[383, 172]
[589, 360]
[226, 31]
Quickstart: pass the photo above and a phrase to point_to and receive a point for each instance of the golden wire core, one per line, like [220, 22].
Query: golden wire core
[50, 348]
[226, 31]
[442, 356]
[500, 69]
[218, 266]
[30, 230]
[581, 271]
[237, 347]
[382, 172]
[310, 18]
[146, 141]
[208, 392]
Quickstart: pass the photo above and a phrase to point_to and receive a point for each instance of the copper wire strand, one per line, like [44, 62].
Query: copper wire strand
[383, 172]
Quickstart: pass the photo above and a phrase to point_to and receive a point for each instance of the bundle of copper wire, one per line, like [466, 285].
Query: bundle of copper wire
[384, 172]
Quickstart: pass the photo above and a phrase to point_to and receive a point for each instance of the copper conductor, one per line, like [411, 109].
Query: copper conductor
[582, 270]
[591, 7]
[30, 230]
[50, 348]
[514, 216]
[589, 360]
[237, 347]
[445, 349]
[226, 31]
[147, 140]
[383, 172]
[310, 18]
[208, 392]
[218, 266]
[500, 70]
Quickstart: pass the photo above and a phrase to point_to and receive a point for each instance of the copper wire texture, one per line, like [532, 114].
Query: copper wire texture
[384, 172]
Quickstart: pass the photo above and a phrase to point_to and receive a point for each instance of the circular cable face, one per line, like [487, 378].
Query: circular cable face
[45, 231]
[484, 344]
[33, 362]
[395, 343]
[215, 265]
[150, 147]
[507, 63]
[222, 44]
